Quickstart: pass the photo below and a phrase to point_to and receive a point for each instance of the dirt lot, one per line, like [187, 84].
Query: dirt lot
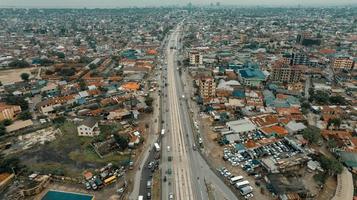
[13, 75]
[215, 152]
[68, 154]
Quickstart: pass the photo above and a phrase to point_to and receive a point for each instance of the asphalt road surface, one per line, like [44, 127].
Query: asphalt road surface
[187, 173]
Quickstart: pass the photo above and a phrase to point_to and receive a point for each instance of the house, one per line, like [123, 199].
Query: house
[88, 127]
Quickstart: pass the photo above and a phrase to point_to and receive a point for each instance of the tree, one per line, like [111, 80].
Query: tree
[331, 144]
[2, 129]
[7, 122]
[25, 115]
[82, 84]
[9, 164]
[312, 134]
[17, 100]
[149, 100]
[337, 100]
[331, 165]
[336, 122]
[25, 76]
[19, 64]
[122, 141]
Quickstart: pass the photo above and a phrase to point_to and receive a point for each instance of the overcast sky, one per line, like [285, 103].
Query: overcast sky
[143, 3]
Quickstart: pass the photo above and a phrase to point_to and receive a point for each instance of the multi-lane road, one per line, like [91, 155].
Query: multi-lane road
[189, 171]
[184, 172]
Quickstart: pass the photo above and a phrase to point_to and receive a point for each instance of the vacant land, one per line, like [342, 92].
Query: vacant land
[13, 75]
[68, 155]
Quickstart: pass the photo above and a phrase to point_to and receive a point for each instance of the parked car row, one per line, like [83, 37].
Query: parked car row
[243, 186]
[235, 158]
[279, 150]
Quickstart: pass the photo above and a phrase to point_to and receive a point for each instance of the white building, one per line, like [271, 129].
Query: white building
[88, 127]
[241, 126]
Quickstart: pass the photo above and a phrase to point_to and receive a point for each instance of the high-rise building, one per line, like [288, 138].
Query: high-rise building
[207, 87]
[307, 39]
[196, 58]
[286, 73]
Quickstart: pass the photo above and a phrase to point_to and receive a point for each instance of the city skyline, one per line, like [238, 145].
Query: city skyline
[154, 3]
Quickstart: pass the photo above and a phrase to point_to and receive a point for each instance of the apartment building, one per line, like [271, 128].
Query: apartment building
[207, 87]
[342, 62]
[196, 58]
[285, 73]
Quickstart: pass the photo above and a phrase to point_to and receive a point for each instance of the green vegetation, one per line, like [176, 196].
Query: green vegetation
[2, 129]
[25, 76]
[336, 122]
[19, 64]
[17, 100]
[320, 178]
[9, 164]
[312, 134]
[25, 115]
[324, 98]
[7, 122]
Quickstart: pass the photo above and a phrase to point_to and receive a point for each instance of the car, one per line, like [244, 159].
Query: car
[248, 196]
[171, 196]
[194, 147]
[148, 195]
[151, 164]
[87, 185]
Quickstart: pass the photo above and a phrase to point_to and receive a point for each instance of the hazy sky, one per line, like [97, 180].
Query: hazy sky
[128, 3]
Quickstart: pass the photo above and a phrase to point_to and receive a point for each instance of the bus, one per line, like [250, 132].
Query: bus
[110, 180]
[235, 179]
[242, 184]
[157, 146]
[162, 132]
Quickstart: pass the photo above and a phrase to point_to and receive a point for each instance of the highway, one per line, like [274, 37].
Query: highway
[189, 171]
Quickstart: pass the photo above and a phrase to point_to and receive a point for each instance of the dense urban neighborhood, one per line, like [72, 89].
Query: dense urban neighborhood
[187, 103]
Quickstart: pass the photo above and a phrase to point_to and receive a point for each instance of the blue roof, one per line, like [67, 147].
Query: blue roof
[251, 73]
[58, 195]
[239, 147]
[238, 93]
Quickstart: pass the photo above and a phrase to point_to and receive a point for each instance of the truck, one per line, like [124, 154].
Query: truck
[157, 146]
[233, 180]
[241, 184]
[141, 197]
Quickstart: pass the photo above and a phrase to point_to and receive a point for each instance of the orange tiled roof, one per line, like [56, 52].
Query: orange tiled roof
[131, 86]
[275, 129]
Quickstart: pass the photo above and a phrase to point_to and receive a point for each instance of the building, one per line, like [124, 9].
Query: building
[251, 77]
[342, 62]
[307, 39]
[207, 87]
[8, 111]
[241, 126]
[88, 127]
[285, 73]
[196, 58]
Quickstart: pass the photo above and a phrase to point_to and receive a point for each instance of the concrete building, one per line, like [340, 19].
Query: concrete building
[207, 87]
[251, 77]
[196, 58]
[342, 62]
[88, 127]
[241, 126]
[285, 73]
[8, 111]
